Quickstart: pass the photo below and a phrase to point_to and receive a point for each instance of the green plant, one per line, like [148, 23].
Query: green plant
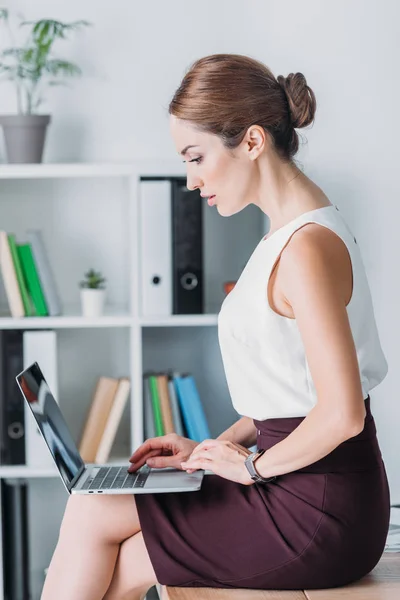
[94, 280]
[32, 66]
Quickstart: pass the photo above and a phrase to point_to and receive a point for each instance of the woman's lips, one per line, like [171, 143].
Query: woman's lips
[210, 201]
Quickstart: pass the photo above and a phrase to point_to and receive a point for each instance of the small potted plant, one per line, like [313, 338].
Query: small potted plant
[31, 67]
[92, 293]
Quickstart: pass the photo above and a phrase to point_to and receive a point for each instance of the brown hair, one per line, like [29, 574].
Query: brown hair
[224, 94]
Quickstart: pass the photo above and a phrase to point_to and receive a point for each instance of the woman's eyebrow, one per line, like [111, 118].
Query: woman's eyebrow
[183, 152]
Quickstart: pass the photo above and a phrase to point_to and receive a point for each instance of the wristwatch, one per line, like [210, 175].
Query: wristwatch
[249, 462]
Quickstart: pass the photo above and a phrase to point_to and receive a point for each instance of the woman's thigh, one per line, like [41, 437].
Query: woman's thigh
[133, 570]
[112, 517]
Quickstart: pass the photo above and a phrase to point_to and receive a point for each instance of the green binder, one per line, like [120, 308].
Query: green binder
[26, 299]
[155, 400]
[32, 279]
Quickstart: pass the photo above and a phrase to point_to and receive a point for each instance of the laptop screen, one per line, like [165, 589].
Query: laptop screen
[51, 423]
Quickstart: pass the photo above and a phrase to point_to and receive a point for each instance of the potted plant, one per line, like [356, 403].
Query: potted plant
[92, 293]
[32, 67]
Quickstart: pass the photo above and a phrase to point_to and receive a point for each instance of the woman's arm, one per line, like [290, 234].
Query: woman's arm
[315, 272]
[242, 432]
[313, 439]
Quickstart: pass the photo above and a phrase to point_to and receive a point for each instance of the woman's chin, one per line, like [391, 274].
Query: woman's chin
[226, 212]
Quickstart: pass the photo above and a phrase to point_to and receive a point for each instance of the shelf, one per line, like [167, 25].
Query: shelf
[179, 320]
[72, 318]
[144, 167]
[22, 471]
[49, 170]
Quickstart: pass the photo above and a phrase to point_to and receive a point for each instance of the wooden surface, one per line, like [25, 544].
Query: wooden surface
[383, 583]
[176, 593]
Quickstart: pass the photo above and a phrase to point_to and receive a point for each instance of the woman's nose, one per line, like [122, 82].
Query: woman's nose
[193, 183]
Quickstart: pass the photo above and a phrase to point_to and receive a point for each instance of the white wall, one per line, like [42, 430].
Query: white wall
[136, 53]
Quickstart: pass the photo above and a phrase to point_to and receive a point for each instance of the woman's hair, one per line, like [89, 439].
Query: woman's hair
[224, 94]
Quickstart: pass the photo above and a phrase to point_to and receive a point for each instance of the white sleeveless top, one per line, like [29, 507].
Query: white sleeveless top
[262, 352]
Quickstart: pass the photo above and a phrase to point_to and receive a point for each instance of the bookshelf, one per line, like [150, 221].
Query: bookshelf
[88, 214]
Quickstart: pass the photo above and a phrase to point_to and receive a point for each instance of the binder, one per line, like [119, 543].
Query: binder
[12, 411]
[187, 253]
[15, 536]
[155, 247]
[40, 346]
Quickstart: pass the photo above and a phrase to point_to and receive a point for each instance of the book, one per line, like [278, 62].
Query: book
[45, 273]
[11, 286]
[191, 408]
[97, 416]
[26, 299]
[176, 413]
[158, 423]
[114, 418]
[185, 410]
[148, 416]
[32, 279]
[165, 405]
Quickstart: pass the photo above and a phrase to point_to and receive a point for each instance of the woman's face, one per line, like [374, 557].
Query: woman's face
[215, 170]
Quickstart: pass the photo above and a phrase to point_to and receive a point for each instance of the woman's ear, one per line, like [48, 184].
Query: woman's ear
[255, 141]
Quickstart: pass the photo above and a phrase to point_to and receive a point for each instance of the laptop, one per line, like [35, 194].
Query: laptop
[81, 478]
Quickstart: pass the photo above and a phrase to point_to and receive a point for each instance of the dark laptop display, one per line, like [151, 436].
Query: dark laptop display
[51, 423]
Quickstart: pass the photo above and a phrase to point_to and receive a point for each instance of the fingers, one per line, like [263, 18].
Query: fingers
[221, 444]
[206, 444]
[211, 454]
[136, 465]
[160, 462]
[157, 443]
[198, 463]
[202, 460]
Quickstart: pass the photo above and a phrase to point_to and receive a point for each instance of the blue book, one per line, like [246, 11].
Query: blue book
[191, 408]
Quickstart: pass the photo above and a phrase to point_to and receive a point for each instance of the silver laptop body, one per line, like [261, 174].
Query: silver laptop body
[81, 478]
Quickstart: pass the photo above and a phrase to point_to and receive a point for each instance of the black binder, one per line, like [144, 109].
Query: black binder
[15, 540]
[187, 249]
[12, 419]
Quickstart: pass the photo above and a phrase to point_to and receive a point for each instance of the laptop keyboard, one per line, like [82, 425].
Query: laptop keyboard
[108, 478]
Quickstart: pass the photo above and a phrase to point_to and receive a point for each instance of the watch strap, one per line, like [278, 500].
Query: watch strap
[254, 474]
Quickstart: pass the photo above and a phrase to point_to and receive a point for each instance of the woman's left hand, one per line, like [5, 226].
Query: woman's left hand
[223, 458]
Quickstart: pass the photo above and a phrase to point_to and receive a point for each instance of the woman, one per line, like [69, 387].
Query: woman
[301, 353]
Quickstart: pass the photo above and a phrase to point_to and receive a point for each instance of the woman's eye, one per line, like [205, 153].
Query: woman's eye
[196, 160]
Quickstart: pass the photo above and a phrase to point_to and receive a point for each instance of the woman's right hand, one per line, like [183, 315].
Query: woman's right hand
[162, 451]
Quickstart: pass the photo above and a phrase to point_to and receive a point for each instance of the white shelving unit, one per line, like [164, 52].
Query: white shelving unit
[185, 342]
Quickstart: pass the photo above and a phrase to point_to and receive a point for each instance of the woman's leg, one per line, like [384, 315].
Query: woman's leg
[92, 529]
[133, 574]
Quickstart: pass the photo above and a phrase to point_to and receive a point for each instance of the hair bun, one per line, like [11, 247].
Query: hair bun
[301, 99]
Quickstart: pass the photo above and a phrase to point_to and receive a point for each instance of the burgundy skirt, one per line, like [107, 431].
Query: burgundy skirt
[322, 526]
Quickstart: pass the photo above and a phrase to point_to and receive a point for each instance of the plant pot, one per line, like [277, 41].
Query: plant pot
[24, 137]
[92, 301]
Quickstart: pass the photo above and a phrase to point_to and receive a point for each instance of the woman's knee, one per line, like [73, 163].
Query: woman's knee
[133, 571]
[113, 517]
